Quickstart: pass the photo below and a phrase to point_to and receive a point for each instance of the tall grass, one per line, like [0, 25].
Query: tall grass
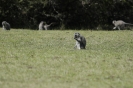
[47, 59]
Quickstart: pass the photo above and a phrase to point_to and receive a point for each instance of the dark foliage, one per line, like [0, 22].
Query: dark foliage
[75, 14]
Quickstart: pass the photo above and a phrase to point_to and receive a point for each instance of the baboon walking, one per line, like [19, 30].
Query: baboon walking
[80, 41]
[120, 24]
[6, 25]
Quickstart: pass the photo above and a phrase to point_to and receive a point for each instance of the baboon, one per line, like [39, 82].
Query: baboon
[41, 25]
[6, 25]
[46, 26]
[120, 24]
[80, 41]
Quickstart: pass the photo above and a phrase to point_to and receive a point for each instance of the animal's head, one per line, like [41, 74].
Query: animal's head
[4, 23]
[42, 22]
[76, 35]
[114, 21]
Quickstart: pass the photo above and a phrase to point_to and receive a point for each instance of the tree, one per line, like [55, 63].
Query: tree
[77, 14]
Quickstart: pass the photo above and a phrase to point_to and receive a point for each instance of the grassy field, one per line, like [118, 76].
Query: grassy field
[47, 59]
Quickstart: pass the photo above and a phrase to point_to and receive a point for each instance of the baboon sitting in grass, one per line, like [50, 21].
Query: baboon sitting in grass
[41, 25]
[6, 25]
[44, 26]
[80, 41]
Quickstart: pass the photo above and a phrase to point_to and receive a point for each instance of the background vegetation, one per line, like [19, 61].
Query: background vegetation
[47, 59]
[66, 14]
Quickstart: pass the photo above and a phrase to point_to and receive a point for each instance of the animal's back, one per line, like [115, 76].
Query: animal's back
[83, 43]
[119, 22]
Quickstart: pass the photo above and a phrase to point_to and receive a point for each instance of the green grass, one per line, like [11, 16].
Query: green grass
[47, 59]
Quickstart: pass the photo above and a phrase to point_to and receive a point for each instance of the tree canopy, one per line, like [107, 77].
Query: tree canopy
[65, 14]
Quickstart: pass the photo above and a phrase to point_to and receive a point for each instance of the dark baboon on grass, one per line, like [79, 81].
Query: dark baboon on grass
[119, 24]
[80, 41]
[6, 25]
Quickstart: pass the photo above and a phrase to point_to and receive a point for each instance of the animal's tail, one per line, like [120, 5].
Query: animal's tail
[129, 23]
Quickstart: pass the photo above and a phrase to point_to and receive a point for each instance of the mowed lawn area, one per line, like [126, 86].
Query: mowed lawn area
[47, 59]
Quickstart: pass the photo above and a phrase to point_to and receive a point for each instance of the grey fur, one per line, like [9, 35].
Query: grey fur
[119, 24]
[80, 41]
[46, 26]
[41, 25]
[6, 25]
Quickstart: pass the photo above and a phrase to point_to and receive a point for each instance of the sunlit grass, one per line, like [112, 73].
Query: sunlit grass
[47, 59]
